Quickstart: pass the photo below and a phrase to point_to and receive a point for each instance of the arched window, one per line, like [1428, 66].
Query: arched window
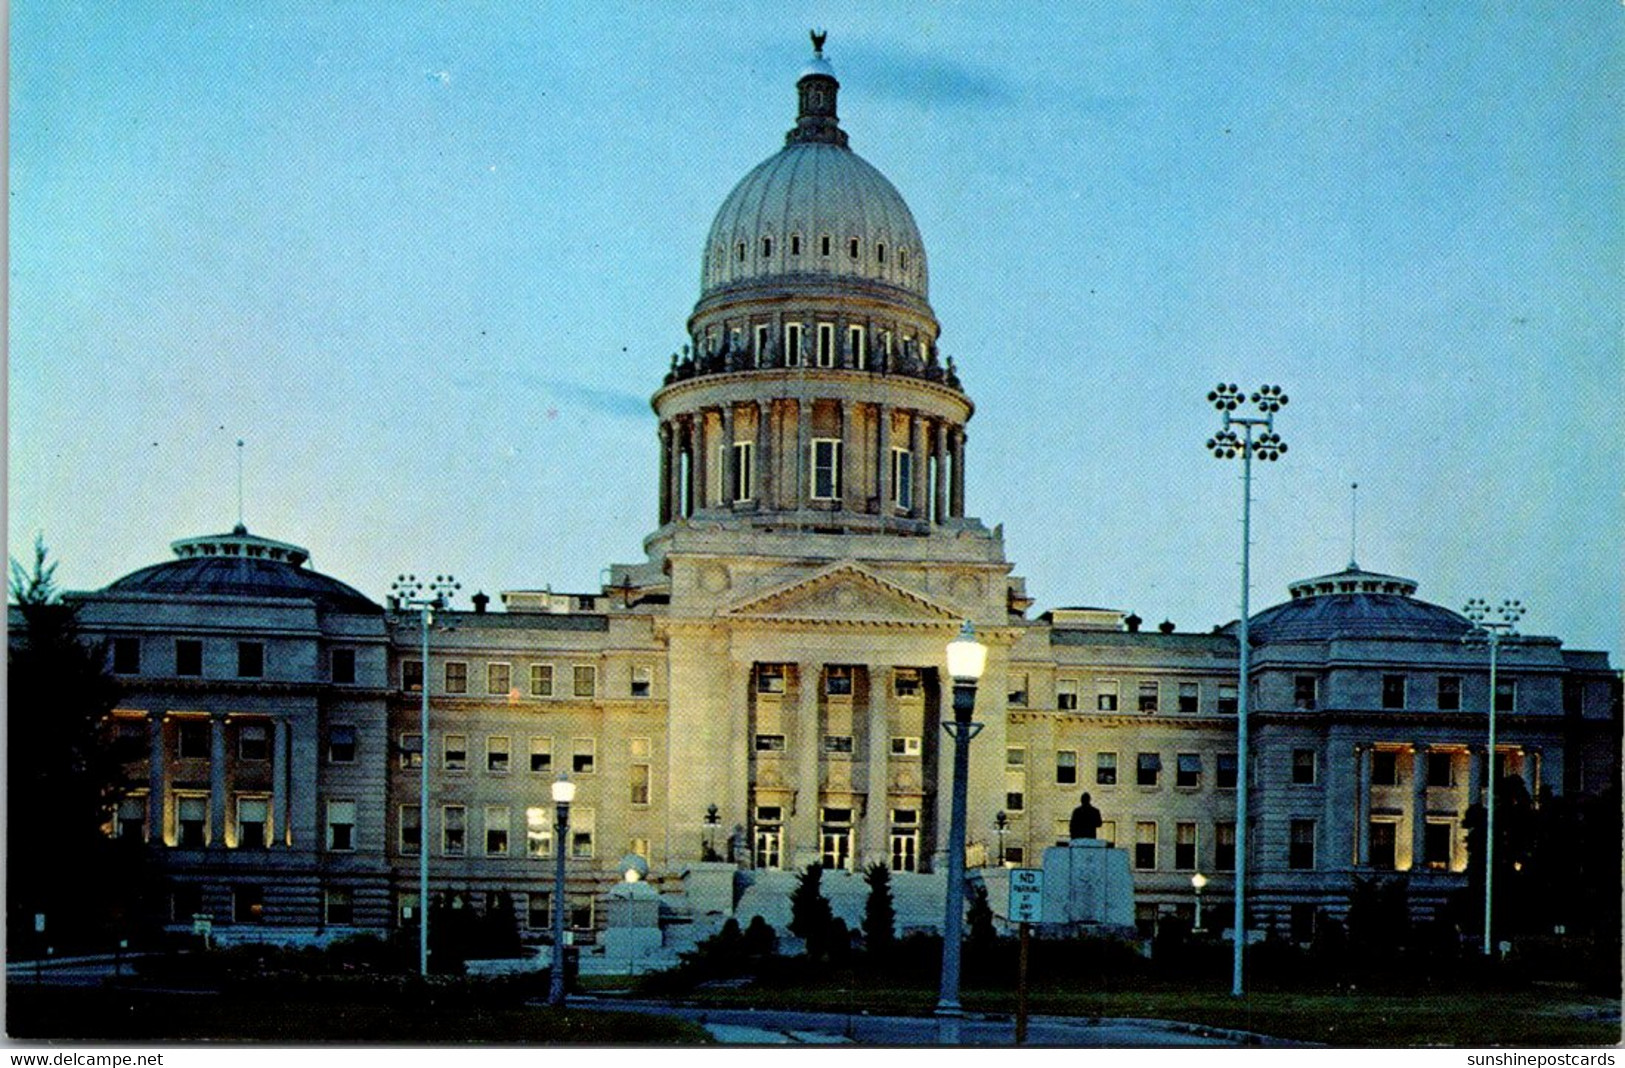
[880, 252]
[795, 244]
[741, 252]
[767, 246]
[852, 246]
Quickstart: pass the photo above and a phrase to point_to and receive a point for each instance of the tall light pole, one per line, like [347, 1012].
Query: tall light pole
[409, 591]
[1493, 633]
[1198, 881]
[1227, 444]
[967, 657]
[564, 792]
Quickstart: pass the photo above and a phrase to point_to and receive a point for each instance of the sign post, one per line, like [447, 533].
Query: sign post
[1026, 907]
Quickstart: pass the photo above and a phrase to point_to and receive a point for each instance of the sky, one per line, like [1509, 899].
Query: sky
[429, 261]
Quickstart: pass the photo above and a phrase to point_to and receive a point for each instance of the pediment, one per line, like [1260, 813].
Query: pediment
[843, 593]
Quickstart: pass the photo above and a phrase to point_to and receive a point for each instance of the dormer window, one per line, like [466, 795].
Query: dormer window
[852, 247]
[880, 252]
[795, 244]
[902, 259]
[823, 245]
[741, 252]
[767, 247]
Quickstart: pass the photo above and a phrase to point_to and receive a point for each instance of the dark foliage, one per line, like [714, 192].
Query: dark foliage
[811, 918]
[879, 915]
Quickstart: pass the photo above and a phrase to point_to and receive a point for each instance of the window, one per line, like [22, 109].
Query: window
[1190, 698]
[838, 681]
[498, 679]
[538, 833]
[1303, 767]
[838, 743]
[857, 341]
[541, 680]
[496, 830]
[1015, 798]
[539, 911]
[1437, 839]
[906, 682]
[1393, 691]
[880, 252]
[1506, 695]
[453, 827]
[823, 245]
[342, 666]
[1227, 699]
[253, 818]
[1184, 847]
[792, 344]
[189, 657]
[253, 742]
[1106, 695]
[1224, 771]
[642, 677]
[770, 678]
[1305, 690]
[411, 750]
[743, 485]
[1017, 695]
[1385, 768]
[1441, 768]
[412, 675]
[541, 755]
[1066, 694]
[1149, 695]
[130, 740]
[826, 469]
[127, 655]
[411, 829]
[1145, 846]
[496, 753]
[835, 838]
[905, 745]
[905, 839]
[454, 752]
[582, 827]
[1301, 846]
[1106, 769]
[739, 251]
[248, 904]
[456, 672]
[769, 844]
[767, 246]
[340, 826]
[902, 479]
[795, 244]
[585, 680]
[902, 259]
[1015, 756]
[1107, 832]
[1224, 847]
[192, 739]
[852, 248]
[1188, 770]
[338, 907]
[1449, 693]
[583, 759]
[1147, 769]
[826, 344]
[759, 352]
[770, 743]
[250, 660]
[1066, 767]
[1383, 835]
[341, 744]
[640, 784]
[131, 820]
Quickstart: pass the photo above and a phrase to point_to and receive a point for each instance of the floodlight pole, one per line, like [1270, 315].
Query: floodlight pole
[966, 660]
[1492, 633]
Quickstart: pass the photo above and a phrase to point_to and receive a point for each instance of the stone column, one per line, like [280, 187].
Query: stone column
[883, 463]
[803, 465]
[217, 781]
[279, 781]
[665, 474]
[739, 754]
[878, 818]
[917, 434]
[701, 465]
[727, 455]
[939, 449]
[157, 785]
[1362, 812]
[956, 506]
[802, 847]
[1419, 805]
[851, 487]
[1475, 774]
[764, 454]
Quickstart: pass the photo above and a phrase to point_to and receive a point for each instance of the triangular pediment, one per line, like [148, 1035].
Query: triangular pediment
[843, 593]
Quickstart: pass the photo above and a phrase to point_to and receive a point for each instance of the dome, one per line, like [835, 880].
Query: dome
[241, 564]
[1354, 604]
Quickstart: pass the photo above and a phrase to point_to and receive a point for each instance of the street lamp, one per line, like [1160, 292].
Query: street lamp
[1001, 823]
[967, 657]
[1227, 445]
[1198, 881]
[564, 792]
[408, 591]
[1493, 633]
[712, 818]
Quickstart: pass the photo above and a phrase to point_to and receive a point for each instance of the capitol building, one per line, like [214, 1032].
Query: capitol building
[766, 689]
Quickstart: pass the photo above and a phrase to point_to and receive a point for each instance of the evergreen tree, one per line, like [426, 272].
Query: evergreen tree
[879, 915]
[983, 936]
[760, 940]
[810, 915]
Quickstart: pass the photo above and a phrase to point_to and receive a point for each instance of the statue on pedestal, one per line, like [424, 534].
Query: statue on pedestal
[1085, 820]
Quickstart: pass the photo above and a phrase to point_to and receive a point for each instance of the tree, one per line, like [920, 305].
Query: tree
[879, 915]
[1379, 920]
[64, 779]
[811, 918]
[983, 936]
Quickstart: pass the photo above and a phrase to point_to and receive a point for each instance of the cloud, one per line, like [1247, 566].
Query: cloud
[928, 77]
[610, 402]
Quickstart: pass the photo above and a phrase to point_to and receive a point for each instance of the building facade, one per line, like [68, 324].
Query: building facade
[766, 688]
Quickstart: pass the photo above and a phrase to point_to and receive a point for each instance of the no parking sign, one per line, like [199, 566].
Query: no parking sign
[1026, 894]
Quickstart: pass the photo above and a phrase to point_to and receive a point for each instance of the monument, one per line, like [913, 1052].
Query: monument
[1087, 882]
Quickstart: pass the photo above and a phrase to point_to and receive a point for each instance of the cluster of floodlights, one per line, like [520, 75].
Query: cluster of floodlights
[408, 587]
[1478, 610]
[1225, 398]
[1227, 444]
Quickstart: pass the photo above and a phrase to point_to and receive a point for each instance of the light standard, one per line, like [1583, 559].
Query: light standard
[1001, 823]
[1492, 633]
[408, 591]
[1227, 445]
[712, 818]
[1198, 881]
[564, 792]
[966, 659]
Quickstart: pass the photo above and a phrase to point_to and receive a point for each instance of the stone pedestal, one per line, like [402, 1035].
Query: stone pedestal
[631, 922]
[1088, 882]
[709, 887]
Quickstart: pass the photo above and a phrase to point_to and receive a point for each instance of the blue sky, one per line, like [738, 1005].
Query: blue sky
[429, 260]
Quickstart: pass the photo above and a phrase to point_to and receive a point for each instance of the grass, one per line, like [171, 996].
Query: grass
[95, 1014]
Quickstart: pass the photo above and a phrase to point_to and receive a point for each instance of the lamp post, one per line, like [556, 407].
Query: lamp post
[1493, 633]
[564, 792]
[408, 591]
[712, 818]
[1198, 881]
[1001, 823]
[967, 657]
[1227, 444]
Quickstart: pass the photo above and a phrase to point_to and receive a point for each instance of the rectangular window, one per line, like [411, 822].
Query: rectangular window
[496, 830]
[1441, 768]
[411, 750]
[770, 678]
[1383, 835]
[640, 784]
[192, 739]
[456, 676]
[131, 821]
[538, 832]
[1227, 699]
[1015, 756]
[341, 744]
[1438, 837]
[642, 680]
[1184, 847]
[1188, 770]
[453, 829]
[412, 675]
[582, 828]
[905, 745]
[1449, 693]
[1506, 695]
[496, 753]
[498, 679]
[1385, 768]
[906, 682]
[541, 680]
[541, 755]
[343, 666]
[852, 248]
[826, 344]
[1303, 767]
[340, 826]
[1190, 698]
[1107, 832]
[1224, 771]
[411, 829]
[1106, 695]
[826, 469]
[1224, 847]
[189, 657]
[1106, 769]
[858, 342]
[743, 486]
[838, 681]
[769, 843]
[1066, 694]
[759, 350]
[1015, 799]
[583, 760]
[127, 656]
[1066, 767]
[253, 819]
[1305, 690]
[539, 910]
[1147, 769]
[770, 743]
[1393, 691]
[1150, 695]
[250, 660]
[254, 742]
[1145, 846]
[454, 752]
[838, 743]
[902, 479]
[191, 820]
[1017, 694]
[585, 683]
[338, 907]
[1301, 847]
[792, 344]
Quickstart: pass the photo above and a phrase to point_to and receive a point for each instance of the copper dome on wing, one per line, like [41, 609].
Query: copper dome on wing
[240, 564]
[1354, 604]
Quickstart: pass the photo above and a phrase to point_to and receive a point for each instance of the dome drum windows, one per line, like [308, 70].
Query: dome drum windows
[767, 247]
[823, 245]
[741, 252]
[792, 344]
[853, 248]
[826, 344]
[795, 244]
